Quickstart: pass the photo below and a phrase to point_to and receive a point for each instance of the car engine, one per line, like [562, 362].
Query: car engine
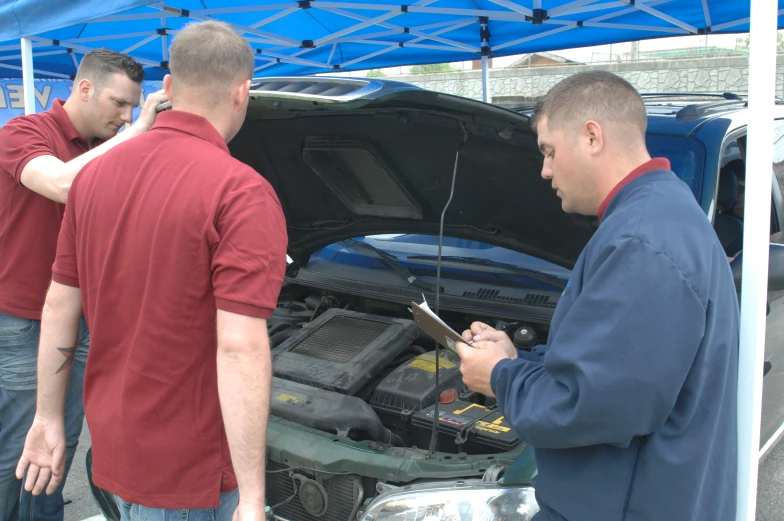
[359, 369]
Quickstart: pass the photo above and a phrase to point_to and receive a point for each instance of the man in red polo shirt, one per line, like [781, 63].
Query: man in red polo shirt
[39, 156]
[179, 251]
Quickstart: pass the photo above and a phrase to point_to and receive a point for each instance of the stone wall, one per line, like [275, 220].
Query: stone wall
[693, 75]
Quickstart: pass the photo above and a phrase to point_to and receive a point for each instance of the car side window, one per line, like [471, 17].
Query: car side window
[733, 165]
[777, 206]
[732, 151]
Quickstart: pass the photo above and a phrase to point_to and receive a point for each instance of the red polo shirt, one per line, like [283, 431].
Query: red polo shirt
[657, 163]
[29, 222]
[158, 233]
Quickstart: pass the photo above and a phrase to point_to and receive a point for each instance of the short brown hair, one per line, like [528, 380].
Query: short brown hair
[593, 95]
[210, 54]
[99, 64]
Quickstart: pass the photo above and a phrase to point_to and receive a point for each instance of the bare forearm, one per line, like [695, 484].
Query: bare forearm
[244, 382]
[59, 333]
[69, 170]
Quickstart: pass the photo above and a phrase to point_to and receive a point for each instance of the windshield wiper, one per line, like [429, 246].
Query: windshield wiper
[544, 278]
[391, 262]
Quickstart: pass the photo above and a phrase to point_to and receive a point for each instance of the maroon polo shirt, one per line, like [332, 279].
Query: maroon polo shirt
[158, 233]
[29, 222]
[657, 163]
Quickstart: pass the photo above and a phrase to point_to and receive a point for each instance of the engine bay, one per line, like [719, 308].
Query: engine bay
[361, 369]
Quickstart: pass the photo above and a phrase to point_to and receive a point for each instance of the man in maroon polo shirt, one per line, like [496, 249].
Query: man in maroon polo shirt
[39, 156]
[180, 252]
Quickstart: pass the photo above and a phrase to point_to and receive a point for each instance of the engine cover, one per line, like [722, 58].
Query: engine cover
[342, 350]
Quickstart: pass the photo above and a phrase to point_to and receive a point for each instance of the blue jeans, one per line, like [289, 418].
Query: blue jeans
[18, 358]
[224, 512]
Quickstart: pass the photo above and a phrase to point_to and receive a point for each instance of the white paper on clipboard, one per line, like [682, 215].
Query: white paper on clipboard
[432, 324]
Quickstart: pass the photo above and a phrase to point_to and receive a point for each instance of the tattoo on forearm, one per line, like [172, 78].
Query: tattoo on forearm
[68, 353]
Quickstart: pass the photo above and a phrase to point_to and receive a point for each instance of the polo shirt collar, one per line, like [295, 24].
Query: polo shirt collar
[64, 122]
[193, 124]
[657, 163]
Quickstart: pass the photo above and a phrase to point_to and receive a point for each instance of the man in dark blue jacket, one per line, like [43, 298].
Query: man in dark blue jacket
[631, 405]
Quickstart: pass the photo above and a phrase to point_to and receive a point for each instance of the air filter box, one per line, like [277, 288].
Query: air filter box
[412, 387]
[342, 350]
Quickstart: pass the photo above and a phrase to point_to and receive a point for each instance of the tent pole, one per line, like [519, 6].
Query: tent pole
[484, 37]
[485, 78]
[756, 237]
[27, 76]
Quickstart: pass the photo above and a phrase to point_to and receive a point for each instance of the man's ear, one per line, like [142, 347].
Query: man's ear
[85, 88]
[594, 134]
[167, 86]
[241, 93]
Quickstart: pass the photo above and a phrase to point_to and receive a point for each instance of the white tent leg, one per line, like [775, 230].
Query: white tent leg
[485, 78]
[759, 160]
[27, 76]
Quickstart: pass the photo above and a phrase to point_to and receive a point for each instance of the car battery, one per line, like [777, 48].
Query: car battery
[466, 427]
[411, 387]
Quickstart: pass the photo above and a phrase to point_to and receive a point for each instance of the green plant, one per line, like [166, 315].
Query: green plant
[742, 44]
[433, 68]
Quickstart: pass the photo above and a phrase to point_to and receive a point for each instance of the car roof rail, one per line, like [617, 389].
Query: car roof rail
[698, 110]
[522, 109]
[724, 95]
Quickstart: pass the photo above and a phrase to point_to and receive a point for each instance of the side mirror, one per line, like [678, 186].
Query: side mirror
[775, 268]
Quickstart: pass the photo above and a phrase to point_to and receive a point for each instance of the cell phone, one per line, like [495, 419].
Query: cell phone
[166, 105]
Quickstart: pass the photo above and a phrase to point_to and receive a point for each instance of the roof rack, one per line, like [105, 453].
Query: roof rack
[725, 95]
[522, 109]
[703, 109]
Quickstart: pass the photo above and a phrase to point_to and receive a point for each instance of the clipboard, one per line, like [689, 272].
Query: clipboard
[430, 323]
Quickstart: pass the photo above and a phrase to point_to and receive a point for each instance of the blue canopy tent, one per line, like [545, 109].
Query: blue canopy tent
[316, 36]
[304, 37]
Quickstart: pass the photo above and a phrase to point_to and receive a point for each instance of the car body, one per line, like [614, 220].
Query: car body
[367, 171]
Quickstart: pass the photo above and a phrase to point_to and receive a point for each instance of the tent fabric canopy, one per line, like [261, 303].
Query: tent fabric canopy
[318, 36]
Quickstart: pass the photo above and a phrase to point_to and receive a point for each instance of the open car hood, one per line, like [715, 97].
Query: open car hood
[382, 160]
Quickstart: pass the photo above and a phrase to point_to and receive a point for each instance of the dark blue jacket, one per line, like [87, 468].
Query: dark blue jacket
[631, 405]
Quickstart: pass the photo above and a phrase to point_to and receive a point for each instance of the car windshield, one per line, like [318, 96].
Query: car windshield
[419, 252]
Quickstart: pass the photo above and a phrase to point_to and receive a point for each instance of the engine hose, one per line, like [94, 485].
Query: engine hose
[419, 350]
[278, 338]
[277, 327]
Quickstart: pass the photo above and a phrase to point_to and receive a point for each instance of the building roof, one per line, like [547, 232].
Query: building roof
[523, 61]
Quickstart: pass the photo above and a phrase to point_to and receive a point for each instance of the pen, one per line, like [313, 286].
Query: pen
[506, 328]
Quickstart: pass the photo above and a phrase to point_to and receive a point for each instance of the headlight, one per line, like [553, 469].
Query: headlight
[479, 502]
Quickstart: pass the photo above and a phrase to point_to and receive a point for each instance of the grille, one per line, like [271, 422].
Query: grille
[327, 90]
[321, 88]
[340, 339]
[489, 294]
[531, 299]
[340, 491]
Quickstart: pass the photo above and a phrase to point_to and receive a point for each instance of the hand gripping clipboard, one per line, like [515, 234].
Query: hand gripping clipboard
[432, 324]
